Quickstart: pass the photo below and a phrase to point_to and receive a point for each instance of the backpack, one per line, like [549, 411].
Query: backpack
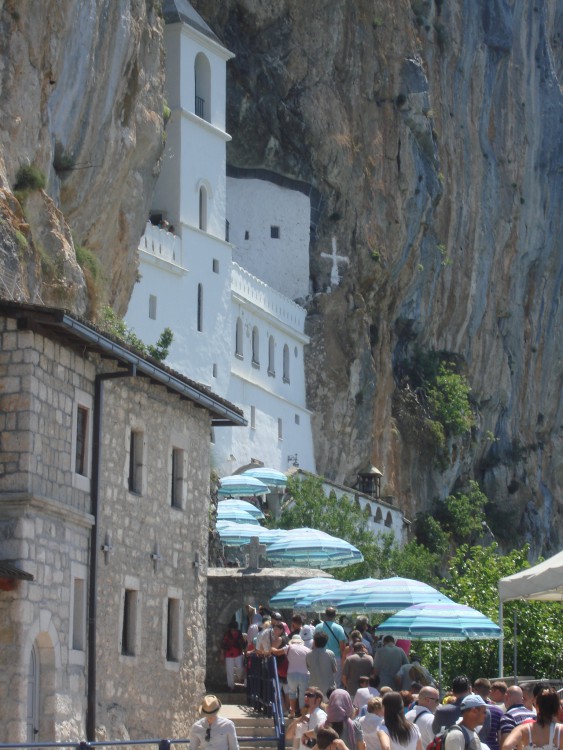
[439, 741]
[417, 674]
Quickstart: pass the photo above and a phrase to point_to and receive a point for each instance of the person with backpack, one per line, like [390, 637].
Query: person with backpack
[446, 715]
[423, 713]
[463, 736]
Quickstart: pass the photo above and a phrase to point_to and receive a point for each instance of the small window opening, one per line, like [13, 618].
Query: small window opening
[79, 614]
[247, 235]
[252, 417]
[128, 640]
[275, 232]
[136, 462]
[215, 265]
[173, 631]
[80, 455]
[177, 486]
[200, 307]
[152, 306]
[280, 429]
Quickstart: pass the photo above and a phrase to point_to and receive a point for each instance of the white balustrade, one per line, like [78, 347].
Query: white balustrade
[161, 244]
[258, 292]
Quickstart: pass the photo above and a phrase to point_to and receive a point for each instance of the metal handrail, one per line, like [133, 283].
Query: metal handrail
[263, 691]
[163, 744]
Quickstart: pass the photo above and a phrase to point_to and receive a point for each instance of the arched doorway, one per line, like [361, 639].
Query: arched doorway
[33, 681]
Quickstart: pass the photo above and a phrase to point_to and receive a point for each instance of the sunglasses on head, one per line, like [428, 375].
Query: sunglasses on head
[208, 734]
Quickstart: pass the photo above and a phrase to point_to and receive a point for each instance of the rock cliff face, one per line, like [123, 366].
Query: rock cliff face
[433, 132]
[82, 99]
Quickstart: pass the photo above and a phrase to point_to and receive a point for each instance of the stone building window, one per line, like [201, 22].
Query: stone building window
[275, 232]
[252, 417]
[280, 429]
[388, 519]
[80, 448]
[173, 630]
[81, 440]
[202, 80]
[78, 610]
[136, 451]
[129, 625]
[297, 419]
[177, 490]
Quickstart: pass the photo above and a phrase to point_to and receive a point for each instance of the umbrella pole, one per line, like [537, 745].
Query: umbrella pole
[515, 647]
[500, 643]
[440, 666]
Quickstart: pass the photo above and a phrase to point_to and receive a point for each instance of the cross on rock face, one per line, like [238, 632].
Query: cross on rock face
[336, 259]
[254, 550]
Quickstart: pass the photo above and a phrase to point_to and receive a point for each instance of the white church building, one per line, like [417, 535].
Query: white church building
[222, 260]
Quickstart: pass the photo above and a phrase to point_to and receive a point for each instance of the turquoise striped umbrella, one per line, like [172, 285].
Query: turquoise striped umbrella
[238, 485]
[234, 503]
[272, 477]
[236, 516]
[389, 595]
[289, 596]
[237, 534]
[310, 548]
[440, 621]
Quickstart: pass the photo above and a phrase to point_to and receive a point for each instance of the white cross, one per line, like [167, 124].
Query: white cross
[336, 259]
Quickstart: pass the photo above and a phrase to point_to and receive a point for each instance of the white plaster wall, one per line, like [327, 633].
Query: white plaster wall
[377, 527]
[193, 352]
[254, 206]
[261, 442]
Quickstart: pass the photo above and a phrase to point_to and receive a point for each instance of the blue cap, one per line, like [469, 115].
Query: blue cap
[472, 701]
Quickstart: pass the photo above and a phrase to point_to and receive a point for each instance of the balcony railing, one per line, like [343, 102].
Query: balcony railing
[161, 244]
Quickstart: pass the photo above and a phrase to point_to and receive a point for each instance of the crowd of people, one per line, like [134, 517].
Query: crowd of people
[345, 689]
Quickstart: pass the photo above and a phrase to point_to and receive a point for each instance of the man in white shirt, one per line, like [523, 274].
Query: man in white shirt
[463, 736]
[312, 717]
[423, 713]
[213, 732]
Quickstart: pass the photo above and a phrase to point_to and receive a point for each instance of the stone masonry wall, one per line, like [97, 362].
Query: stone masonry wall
[147, 694]
[229, 590]
[44, 528]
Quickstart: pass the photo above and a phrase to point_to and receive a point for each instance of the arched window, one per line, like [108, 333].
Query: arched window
[286, 363]
[378, 516]
[203, 208]
[255, 347]
[271, 359]
[202, 73]
[200, 307]
[238, 340]
[389, 519]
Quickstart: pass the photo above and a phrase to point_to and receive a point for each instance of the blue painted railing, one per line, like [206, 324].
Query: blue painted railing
[263, 692]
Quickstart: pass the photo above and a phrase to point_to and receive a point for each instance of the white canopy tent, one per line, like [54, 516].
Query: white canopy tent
[543, 582]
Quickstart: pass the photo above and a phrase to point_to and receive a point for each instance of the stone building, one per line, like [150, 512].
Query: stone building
[104, 496]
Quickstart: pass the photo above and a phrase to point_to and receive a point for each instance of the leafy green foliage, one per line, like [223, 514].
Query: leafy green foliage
[463, 515]
[430, 534]
[116, 326]
[473, 578]
[345, 519]
[29, 177]
[448, 399]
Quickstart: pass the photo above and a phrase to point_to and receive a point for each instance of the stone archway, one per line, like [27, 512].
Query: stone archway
[42, 664]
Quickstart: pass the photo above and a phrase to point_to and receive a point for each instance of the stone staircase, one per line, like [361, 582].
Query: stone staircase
[248, 722]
